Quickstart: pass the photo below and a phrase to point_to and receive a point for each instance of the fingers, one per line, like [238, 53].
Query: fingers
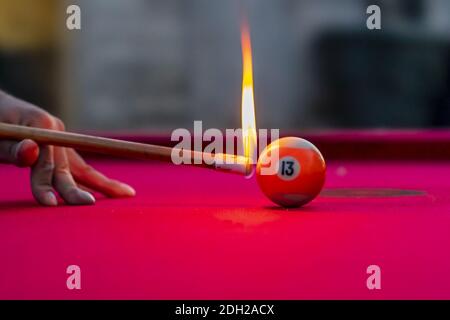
[23, 154]
[62, 178]
[56, 169]
[92, 179]
[41, 178]
[64, 182]
[42, 170]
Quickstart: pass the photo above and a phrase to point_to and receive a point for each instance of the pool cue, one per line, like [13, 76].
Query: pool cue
[121, 148]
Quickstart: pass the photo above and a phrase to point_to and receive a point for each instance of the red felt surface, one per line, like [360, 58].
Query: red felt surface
[194, 233]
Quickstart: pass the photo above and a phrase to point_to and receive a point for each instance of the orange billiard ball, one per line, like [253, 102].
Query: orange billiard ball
[291, 172]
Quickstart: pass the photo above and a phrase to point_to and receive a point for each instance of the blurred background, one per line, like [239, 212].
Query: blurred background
[161, 64]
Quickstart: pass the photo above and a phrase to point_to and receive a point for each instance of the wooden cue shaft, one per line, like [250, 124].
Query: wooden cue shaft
[94, 144]
[120, 148]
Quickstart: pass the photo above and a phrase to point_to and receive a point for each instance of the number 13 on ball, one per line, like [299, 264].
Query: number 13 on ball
[299, 173]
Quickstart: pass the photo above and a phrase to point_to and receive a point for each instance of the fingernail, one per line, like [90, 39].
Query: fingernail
[87, 198]
[50, 199]
[128, 190]
[17, 149]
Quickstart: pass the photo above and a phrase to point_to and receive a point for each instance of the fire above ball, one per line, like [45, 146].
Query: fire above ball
[291, 172]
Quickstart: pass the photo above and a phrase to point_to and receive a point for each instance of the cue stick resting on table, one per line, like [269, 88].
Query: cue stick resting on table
[119, 148]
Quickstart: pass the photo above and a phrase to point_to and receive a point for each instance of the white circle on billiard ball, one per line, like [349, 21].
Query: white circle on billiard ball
[288, 168]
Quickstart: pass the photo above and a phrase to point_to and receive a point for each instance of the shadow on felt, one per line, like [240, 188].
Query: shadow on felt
[13, 205]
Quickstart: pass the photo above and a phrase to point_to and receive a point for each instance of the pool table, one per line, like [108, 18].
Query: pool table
[193, 233]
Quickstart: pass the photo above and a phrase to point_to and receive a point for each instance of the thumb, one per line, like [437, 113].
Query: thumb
[23, 153]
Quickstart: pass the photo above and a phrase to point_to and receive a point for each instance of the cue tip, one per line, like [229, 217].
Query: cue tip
[234, 164]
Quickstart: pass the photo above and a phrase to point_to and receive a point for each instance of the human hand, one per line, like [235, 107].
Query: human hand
[53, 169]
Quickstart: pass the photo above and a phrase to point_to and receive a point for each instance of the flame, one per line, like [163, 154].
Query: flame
[248, 105]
